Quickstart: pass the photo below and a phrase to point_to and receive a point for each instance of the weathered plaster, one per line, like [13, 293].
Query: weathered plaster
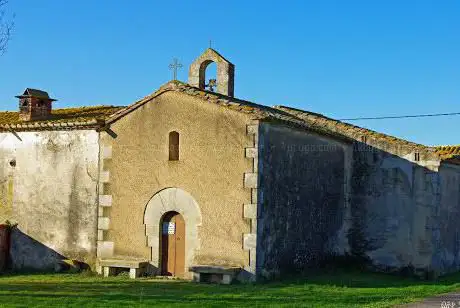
[395, 214]
[302, 199]
[51, 193]
[444, 222]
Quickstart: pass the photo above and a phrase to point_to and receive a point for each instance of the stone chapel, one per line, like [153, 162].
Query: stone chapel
[200, 184]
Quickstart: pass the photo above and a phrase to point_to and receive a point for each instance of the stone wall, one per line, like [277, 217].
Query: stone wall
[211, 169]
[302, 202]
[405, 213]
[48, 185]
[444, 223]
[390, 208]
[318, 197]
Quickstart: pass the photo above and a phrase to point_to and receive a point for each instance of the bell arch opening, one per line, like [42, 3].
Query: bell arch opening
[225, 72]
[208, 75]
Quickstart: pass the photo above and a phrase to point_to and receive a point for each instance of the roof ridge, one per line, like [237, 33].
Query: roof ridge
[88, 107]
[305, 111]
[76, 107]
[355, 127]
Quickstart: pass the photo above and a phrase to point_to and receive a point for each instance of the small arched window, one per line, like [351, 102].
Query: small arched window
[173, 146]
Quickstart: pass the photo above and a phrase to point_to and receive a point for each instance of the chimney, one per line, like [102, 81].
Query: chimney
[34, 105]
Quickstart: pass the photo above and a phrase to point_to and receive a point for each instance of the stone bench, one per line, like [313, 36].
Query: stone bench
[109, 266]
[214, 274]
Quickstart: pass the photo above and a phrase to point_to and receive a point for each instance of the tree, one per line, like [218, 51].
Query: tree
[6, 27]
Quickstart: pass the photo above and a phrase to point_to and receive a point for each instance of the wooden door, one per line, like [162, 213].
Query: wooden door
[173, 245]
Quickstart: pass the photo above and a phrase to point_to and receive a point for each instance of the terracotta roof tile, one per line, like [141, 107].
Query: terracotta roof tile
[65, 117]
[447, 152]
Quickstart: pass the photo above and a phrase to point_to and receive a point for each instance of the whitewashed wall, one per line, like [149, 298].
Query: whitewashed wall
[51, 193]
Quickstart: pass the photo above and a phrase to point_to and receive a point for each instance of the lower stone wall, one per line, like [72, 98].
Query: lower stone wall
[405, 213]
[444, 221]
[388, 225]
[302, 205]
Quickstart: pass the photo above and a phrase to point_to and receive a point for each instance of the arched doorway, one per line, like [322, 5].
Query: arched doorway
[158, 210]
[172, 244]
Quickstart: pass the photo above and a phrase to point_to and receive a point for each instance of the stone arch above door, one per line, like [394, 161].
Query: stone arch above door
[177, 200]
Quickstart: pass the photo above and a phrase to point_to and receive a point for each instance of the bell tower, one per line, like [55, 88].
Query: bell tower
[34, 105]
[225, 73]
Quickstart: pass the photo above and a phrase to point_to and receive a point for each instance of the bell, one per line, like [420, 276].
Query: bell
[211, 84]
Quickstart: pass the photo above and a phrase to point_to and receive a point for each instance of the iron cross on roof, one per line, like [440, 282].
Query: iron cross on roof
[174, 66]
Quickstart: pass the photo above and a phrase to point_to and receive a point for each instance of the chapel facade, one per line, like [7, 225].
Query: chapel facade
[191, 181]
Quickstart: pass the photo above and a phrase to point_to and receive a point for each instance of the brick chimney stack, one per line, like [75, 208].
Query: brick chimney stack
[34, 105]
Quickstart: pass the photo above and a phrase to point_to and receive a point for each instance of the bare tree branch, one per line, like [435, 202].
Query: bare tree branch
[6, 27]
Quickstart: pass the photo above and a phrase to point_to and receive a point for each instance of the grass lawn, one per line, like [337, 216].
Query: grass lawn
[339, 289]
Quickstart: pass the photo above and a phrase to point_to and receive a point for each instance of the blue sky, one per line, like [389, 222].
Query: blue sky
[340, 58]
